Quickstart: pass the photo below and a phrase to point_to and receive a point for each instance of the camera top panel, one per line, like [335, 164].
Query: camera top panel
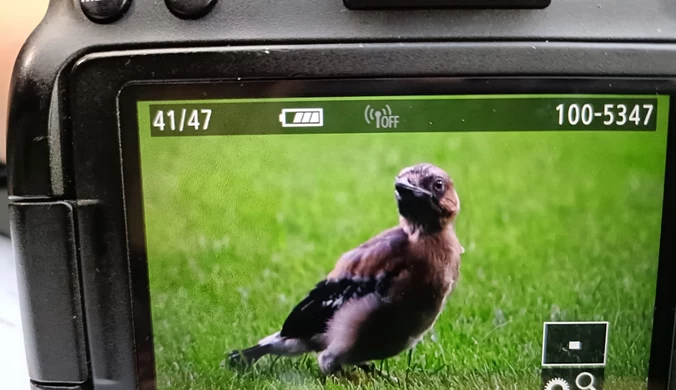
[154, 21]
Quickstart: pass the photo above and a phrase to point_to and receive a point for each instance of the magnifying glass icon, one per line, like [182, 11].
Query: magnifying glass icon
[587, 378]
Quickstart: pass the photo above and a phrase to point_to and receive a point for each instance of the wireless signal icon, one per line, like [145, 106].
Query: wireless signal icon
[382, 118]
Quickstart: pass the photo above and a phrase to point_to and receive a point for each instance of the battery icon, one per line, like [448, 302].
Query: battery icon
[302, 117]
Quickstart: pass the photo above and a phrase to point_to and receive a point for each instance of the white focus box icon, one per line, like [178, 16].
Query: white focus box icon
[574, 345]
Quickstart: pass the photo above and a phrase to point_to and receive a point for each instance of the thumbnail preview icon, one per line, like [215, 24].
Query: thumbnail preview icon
[578, 344]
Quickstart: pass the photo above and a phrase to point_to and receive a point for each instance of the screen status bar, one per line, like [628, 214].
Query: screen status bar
[404, 114]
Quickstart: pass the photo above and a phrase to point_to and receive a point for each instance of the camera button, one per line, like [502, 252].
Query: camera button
[104, 11]
[190, 9]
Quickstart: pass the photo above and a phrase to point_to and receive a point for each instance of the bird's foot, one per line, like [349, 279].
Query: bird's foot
[236, 359]
[328, 363]
[368, 368]
[348, 375]
[390, 378]
[371, 368]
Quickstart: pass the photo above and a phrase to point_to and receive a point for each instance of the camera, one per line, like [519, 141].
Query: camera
[297, 194]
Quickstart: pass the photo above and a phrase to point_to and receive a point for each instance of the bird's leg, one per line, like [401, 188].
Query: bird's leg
[368, 368]
[381, 365]
[302, 361]
[408, 366]
[274, 361]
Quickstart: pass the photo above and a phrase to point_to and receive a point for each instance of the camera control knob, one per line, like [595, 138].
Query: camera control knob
[104, 11]
[190, 9]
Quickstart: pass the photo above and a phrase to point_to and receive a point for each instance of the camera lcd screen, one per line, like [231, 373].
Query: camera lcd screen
[405, 241]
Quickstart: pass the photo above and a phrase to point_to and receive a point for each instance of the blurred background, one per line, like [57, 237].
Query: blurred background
[17, 20]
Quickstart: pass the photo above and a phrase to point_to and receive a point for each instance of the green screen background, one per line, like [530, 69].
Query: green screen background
[556, 226]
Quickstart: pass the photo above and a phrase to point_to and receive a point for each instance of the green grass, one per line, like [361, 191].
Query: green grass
[556, 226]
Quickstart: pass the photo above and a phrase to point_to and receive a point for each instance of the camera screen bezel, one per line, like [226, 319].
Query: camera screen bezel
[663, 323]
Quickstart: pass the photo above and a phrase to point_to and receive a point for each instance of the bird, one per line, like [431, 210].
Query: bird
[384, 295]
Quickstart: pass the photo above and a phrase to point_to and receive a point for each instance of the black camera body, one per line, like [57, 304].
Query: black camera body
[82, 272]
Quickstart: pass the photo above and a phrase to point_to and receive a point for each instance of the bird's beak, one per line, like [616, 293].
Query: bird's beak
[403, 190]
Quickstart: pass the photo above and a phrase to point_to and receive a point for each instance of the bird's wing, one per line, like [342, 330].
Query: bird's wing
[359, 272]
[375, 257]
[311, 316]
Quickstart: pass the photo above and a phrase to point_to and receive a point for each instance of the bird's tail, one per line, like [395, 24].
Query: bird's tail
[274, 344]
[249, 355]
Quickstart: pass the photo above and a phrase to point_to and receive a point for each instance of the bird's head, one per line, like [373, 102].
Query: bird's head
[426, 198]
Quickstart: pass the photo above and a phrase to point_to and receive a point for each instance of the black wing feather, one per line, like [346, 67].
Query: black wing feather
[311, 316]
[358, 273]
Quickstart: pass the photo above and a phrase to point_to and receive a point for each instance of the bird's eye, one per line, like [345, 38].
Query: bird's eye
[439, 185]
